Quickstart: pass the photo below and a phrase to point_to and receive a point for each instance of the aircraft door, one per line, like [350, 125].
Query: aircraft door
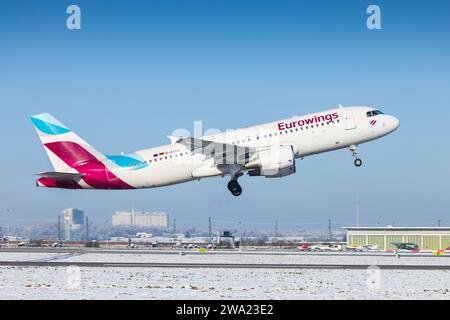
[349, 119]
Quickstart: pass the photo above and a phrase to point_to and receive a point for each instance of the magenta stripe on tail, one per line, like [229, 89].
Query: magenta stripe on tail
[95, 173]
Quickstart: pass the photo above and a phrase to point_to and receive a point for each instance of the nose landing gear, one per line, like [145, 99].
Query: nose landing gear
[354, 151]
[234, 188]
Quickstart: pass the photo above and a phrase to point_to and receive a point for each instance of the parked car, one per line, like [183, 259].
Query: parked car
[353, 248]
[335, 247]
[319, 248]
[304, 247]
[34, 245]
[23, 244]
[369, 247]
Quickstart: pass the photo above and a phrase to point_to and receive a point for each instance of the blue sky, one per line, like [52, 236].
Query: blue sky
[136, 71]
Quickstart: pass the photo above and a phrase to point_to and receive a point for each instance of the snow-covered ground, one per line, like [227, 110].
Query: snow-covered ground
[17, 282]
[198, 283]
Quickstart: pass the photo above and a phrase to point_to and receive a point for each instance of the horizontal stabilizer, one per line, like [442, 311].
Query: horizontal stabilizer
[61, 175]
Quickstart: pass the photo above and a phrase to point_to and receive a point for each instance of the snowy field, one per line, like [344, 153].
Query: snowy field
[198, 283]
[25, 282]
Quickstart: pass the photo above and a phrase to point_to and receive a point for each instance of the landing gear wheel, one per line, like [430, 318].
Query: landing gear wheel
[238, 192]
[354, 150]
[234, 188]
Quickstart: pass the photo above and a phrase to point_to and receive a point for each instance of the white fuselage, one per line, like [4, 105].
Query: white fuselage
[308, 135]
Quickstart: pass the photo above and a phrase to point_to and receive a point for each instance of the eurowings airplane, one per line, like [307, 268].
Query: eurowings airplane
[267, 150]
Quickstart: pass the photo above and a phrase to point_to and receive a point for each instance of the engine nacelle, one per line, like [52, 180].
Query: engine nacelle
[272, 163]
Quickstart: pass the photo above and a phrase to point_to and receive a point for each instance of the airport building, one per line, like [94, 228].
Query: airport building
[383, 237]
[73, 224]
[140, 219]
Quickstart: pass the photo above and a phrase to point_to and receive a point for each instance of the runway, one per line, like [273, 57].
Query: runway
[220, 265]
[275, 252]
[218, 259]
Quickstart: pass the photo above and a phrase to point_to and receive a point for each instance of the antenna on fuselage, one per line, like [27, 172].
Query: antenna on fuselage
[340, 106]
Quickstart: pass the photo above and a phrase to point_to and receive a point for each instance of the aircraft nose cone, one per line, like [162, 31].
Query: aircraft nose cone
[395, 123]
[390, 123]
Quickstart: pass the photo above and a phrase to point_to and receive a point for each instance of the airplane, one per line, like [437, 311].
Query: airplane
[405, 245]
[268, 150]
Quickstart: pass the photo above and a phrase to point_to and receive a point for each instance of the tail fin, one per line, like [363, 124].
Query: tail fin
[64, 148]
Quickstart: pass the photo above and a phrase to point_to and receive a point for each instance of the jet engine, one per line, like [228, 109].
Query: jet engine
[272, 162]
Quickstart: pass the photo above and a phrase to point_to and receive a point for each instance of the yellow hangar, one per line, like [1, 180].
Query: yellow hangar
[426, 238]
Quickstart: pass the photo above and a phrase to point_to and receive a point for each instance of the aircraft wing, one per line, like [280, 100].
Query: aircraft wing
[61, 175]
[223, 153]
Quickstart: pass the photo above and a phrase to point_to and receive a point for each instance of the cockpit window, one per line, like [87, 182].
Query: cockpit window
[373, 113]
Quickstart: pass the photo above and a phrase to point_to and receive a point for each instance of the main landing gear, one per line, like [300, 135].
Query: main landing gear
[354, 151]
[234, 187]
